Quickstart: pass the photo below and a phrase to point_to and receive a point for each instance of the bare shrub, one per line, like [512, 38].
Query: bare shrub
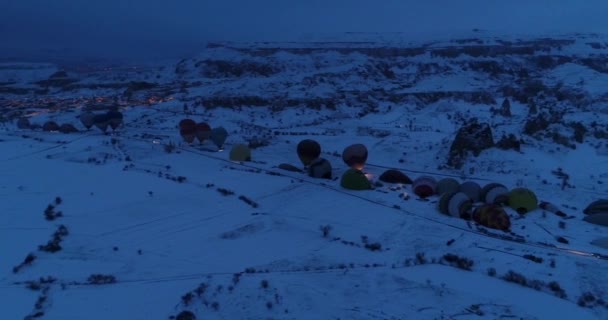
[100, 279]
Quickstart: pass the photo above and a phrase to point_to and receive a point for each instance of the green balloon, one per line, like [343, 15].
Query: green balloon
[240, 152]
[354, 179]
[522, 200]
[218, 136]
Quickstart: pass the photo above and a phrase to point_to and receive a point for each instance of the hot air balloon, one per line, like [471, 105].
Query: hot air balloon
[115, 119]
[354, 179]
[87, 119]
[50, 126]
[102, 122]
[395, 176]
[471, 189]
[355, 156]
[308, 150]
[218, 136]
[320, 168]
[23, 123]
[67, 128]
[523, 200]
[446, 185]
[494, 193]
[454, 203]
[203, 131]
[492, 216]
[240, 152]
[424, 186]
[187, 129]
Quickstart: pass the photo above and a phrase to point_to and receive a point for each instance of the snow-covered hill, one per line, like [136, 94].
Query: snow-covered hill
[151, 227]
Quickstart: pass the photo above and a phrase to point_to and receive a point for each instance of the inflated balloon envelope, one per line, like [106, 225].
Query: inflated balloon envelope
[102, 121]
[114, 119]
[308, 151]
[320, 168]
[87, 119]
[355, 156]
[240, 153]
[187, 130]
[203, 131]
[218, 137]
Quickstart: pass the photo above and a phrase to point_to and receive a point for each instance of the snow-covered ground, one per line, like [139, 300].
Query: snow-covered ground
[171, 231]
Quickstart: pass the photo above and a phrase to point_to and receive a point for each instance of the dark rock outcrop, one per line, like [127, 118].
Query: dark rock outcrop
[474, 137]
[536, 124]
[509, 142]
[185, 315]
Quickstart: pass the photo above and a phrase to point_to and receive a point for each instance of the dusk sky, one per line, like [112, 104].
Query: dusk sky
[150, 28]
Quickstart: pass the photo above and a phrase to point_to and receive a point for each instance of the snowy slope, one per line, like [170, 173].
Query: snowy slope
[171, 233]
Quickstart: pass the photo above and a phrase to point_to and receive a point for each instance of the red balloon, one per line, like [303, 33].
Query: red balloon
[424, 186]
[187, 129]
[203, 131]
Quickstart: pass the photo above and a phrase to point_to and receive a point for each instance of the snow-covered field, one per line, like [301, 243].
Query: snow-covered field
[167, 232]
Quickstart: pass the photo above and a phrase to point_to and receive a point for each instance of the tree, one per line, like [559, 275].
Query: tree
[505, 109]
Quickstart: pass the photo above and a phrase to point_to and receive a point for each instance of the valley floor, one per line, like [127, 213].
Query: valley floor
[168, 244]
